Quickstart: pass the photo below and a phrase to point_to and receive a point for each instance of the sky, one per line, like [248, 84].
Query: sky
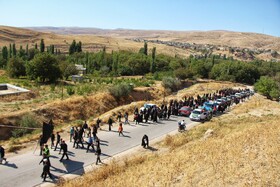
[260, 16]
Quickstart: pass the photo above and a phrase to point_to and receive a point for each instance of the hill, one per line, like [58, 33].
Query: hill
[239, 45]
[242, 151]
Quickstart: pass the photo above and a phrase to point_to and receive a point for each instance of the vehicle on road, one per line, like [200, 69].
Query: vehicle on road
[185, 111]
[200, 114]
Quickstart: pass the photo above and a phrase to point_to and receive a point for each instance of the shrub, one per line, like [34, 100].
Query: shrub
[16, 67]
[70, 90]
[121, 90]
[27, 120]
[84, 89]
[171, 83]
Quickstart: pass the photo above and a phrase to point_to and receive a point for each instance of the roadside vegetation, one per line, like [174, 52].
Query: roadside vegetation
[242, 151]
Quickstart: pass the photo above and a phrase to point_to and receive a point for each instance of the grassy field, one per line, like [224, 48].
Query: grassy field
[243, 151]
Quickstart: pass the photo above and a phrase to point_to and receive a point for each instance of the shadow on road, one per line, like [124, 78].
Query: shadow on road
[73, 165]
[8, 164]
[152, 148]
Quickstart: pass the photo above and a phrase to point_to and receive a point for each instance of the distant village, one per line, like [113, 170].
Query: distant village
[207, 49]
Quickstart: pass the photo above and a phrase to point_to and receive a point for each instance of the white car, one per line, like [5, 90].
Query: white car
[199, 115]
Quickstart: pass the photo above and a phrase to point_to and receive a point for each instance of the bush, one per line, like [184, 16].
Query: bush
[171, 83]
[84, 89]
[27, 120]
[70, 90]
[267, 87]
[16, 67]
[120, 90]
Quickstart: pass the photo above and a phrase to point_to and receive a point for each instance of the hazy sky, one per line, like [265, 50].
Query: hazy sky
[261, 16]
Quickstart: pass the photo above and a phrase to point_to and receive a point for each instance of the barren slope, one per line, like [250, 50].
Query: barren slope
[243, 151]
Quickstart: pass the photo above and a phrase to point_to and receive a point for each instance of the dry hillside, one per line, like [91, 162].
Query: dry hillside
[21, 36]
[219, 37]
[121, 39]
[243, 151]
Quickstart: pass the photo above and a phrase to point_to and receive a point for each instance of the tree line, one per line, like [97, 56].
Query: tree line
[51, 65]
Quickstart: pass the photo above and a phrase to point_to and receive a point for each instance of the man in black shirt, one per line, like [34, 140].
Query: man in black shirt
[57, 140]
[64, 149]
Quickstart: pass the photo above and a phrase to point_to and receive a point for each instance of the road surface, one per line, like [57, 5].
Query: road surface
[24, 170]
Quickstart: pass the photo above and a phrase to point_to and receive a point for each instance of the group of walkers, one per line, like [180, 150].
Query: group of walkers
[85, 136]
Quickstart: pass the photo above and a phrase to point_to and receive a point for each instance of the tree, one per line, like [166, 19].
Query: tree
[115, 62]
[26, 49]
[14, 50]
[78, 47]
[10, 51]
[72, 47]
[51, 50]
[267, 87]
[21, 52]
[145, 48]
[152, 68]
[16, 67]
[5, 53]
[44, 67]
[42, 46]
[36, 46]
[70, 70]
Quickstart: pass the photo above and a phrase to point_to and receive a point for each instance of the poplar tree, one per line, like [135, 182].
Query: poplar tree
[42, 46]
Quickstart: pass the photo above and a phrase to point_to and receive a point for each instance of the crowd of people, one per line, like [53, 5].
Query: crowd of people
[85, 136]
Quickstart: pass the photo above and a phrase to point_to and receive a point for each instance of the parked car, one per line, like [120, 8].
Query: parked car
[210, 106]
[185, 111]
[200, 115]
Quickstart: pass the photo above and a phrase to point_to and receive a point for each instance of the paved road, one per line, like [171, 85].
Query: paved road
[24, 170]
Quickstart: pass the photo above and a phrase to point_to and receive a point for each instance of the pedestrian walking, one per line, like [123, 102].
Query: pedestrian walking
[46, 153]
[110, 123]
[75, 137]
[57, 140]
[119, 116]
[85, 128]
[41, 143]
[126, 118]
[52, 140]
[2, 154]
[145, 141]
[64, 148]
[98, 153]
[90, 143]
[71, 133]
[46, 170]
[120, 129]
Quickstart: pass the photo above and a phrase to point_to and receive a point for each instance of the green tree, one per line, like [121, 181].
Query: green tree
[5, 53]
[115, 62]
[44, 67]
[78, 47]
[26, 49]
[42, 46]
[52, 49]
[72, 48]
[267, 87]
[14, 50]
[145, 48]
[152, 68]
[36, 46]
[21, 52]
[70, 70]
[16, 67]
[10, 51]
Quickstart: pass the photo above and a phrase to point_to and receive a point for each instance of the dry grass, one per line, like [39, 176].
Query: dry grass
[116, 40]
[244, 151]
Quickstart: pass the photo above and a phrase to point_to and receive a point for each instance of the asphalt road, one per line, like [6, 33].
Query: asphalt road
[24, 170]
